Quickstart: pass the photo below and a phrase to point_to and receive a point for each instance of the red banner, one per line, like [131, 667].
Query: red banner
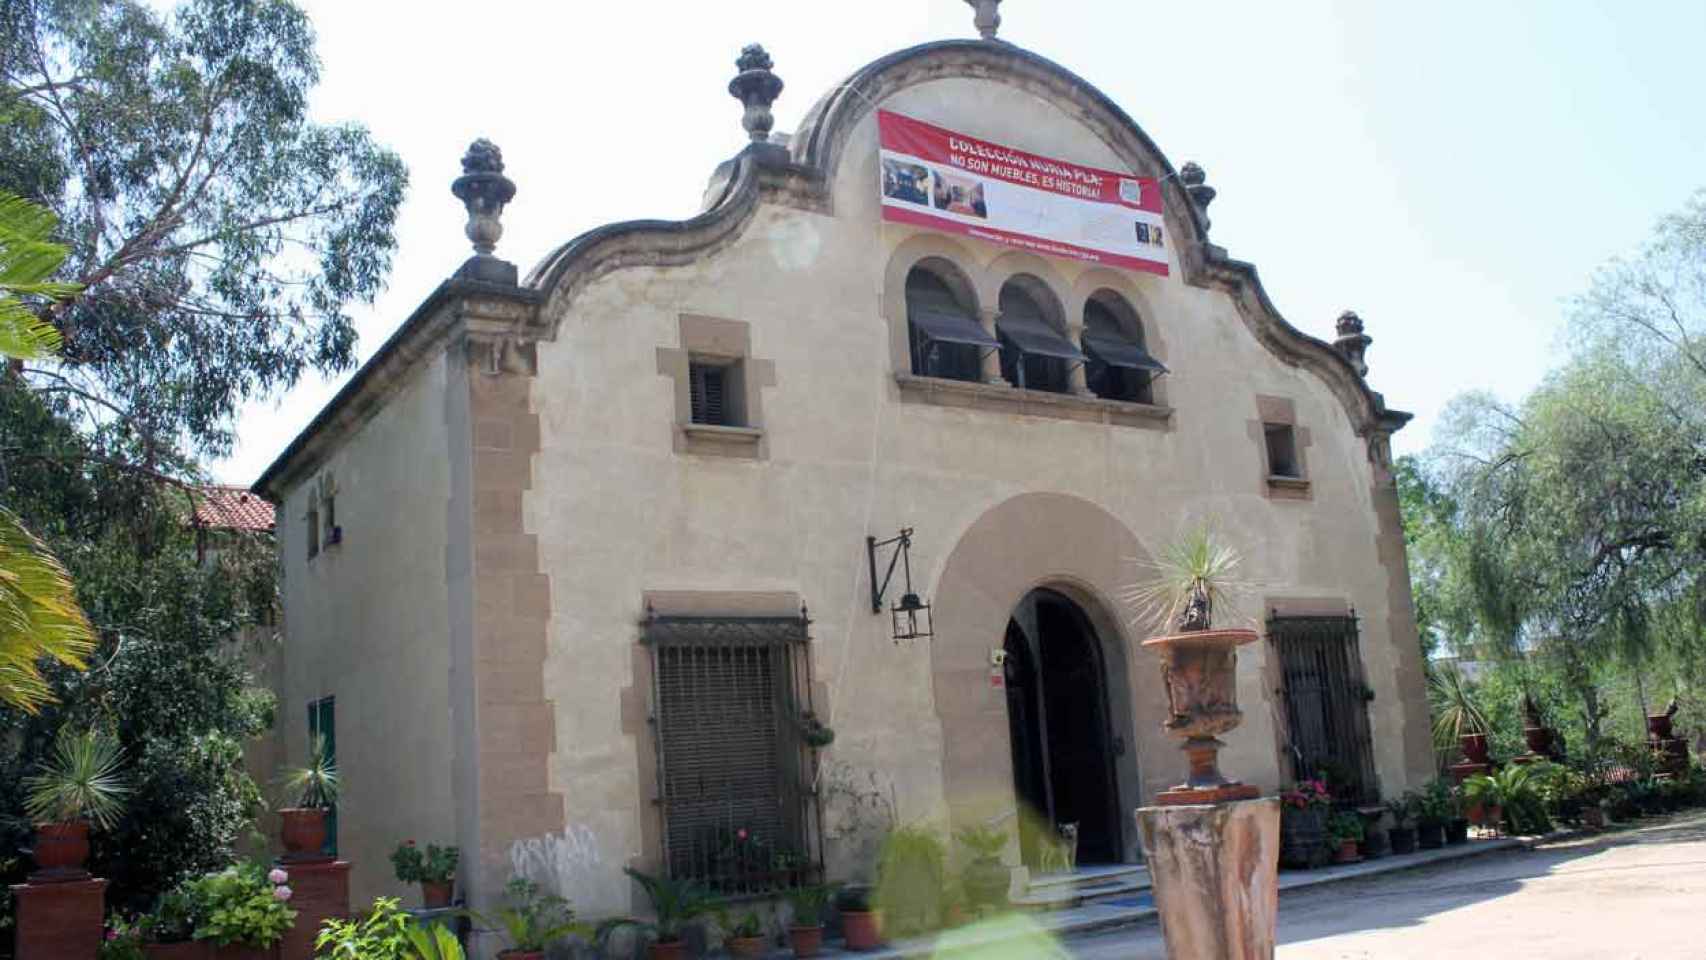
[937, 178]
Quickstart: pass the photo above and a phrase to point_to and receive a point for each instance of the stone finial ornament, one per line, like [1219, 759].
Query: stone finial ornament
[1352, 342]
[756, 88]
[484, 190]
[1197, 188]
[988, 19]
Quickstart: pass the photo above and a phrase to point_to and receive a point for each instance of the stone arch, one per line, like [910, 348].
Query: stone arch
[951, 260]
[1041, 279]
[1079, 549]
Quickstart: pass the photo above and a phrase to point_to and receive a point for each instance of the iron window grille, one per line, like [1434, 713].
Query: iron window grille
[1326, 703]
[738, 810]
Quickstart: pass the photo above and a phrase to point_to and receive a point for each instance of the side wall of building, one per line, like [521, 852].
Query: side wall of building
[368, 626]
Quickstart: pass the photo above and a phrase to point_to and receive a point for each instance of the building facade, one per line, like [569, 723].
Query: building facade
[575, 554]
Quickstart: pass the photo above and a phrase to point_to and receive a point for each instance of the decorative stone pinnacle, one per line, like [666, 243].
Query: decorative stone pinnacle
[756, 88]
[988, 17]
[484, 190]
[1197, 188]
[1352, 342]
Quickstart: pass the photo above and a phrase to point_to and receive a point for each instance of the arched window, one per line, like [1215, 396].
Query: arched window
[1117, 365]
[1035, 355]
[945, 337]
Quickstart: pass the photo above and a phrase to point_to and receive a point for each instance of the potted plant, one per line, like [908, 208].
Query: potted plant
[805, 933]
[311, 790]
[861, 924]
[1303, 823]
[984, 877]
[1433, 809]
[532, 921]
[1456, 824]
[911, 880]
[815, 732]
[434, 870]
[77, 784]
[1344, 830]
[1403, 832]
[244, 911]
[168, 931]
[1198, 662]
[1459, 720]
[746, 936]
[1486, 800]
[675, 903]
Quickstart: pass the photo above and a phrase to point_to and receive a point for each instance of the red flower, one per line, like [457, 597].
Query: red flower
[741, 833]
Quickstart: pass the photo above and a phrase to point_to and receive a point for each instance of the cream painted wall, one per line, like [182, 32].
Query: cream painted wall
[368, 625]
[618, 512]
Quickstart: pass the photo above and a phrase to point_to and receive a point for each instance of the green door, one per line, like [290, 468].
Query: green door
[322, 724]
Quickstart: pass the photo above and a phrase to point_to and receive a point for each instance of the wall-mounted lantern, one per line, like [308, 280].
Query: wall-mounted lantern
[911, 615]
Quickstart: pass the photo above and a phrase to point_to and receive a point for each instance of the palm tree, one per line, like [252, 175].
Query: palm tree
[39, 615]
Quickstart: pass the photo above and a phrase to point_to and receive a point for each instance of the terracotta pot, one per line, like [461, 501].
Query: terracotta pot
[1474, 747]
[436, 896]
[862, 928]
[671, 950]
[1198, 670]
[806, 941]
[61, 850]
[747, 946]
[182, 950]
[303, 830]
[1495, 816]
[1347, 852]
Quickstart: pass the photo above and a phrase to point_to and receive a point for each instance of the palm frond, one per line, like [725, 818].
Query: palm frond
[39, 617]
[28, 258]
[1456, 711]
[81, 778]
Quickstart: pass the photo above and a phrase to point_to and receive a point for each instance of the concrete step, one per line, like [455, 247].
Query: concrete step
[1064, 891]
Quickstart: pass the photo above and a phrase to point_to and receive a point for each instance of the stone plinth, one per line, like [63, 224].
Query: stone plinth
[1216, 874]
[318, 890]
[60, 921]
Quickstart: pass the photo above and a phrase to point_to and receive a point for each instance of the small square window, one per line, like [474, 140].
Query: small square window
[1282, 451]
[708, 386]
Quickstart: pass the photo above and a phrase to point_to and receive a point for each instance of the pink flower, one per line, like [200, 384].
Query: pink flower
[281, 893]
[277, 876]
[112, 934]
[741, 833]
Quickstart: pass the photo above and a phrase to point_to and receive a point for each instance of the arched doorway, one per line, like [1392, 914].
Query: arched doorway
[1058, 723]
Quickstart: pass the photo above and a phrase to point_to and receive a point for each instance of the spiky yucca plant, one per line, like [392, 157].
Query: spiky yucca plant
[314, 785]
[1195, 575]
[1455, 709]
[81, 778]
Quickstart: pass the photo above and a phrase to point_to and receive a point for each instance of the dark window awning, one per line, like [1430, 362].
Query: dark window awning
[944, 326]
[1122, 353]
[1037, 338]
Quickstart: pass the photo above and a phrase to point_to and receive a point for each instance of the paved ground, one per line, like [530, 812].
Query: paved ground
[1634, 895]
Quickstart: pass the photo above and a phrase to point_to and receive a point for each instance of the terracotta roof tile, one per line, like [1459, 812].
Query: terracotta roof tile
[232, 508]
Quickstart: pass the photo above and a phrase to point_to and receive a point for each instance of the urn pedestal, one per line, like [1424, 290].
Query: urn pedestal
[1215, 870]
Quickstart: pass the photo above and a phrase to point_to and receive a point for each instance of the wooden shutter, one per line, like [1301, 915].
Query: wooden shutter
[709, 393]
[730, 758]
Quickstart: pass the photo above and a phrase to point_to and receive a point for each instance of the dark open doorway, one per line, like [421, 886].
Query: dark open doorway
[1057, 709]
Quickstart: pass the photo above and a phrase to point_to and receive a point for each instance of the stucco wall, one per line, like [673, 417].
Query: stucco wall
[368, 626]
[618, 512]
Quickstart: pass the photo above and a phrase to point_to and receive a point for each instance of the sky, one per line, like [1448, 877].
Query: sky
[1452, 171]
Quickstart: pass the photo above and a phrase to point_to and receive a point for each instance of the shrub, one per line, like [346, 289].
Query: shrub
[437, 865]
[381, 935]
[244, 905]
[911, 876]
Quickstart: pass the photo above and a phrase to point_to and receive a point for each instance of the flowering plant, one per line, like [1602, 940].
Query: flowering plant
[122, 940]
[245, 904]
[1307, 794]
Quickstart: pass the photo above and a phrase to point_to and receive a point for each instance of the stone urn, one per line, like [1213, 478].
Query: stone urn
[1199, 668]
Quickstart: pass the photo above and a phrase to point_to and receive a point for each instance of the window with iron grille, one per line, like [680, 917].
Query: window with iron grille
[708, 392]
[1326, 703]
[733, 771]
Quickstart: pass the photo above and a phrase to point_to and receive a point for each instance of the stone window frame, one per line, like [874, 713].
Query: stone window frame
[1281, 412]
[724, 342]
[955, 262]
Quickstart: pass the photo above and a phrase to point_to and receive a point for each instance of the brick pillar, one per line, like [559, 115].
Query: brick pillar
[60, 921]
[318, 890]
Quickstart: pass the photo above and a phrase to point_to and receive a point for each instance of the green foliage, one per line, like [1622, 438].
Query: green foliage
[28, 260]
[39, 617]
[533, 920]
[432, 942]
[1456, 711]
[437, 865]
[315, 784]
[1345, 826]
[81, 779]
[239, 905]
[123, 941]
[983, 842]
[675, 903]
[382, 934]
[218, 232]
[809, 902]
[911, 879]
[173, 919]
[1434, 803]
[1195, 575]
[1405, 808]
[749, 924]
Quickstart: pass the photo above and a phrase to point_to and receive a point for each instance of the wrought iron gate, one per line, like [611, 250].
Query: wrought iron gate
[1326, 703]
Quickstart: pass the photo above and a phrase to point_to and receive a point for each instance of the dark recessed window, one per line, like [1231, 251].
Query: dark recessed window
[708, 386]
[313, 533]
[1034, 354]
[1282, 450]
[1117, 367]
[944, 335]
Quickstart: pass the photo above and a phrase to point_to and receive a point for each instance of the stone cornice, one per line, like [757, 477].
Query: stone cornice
[479, 311]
